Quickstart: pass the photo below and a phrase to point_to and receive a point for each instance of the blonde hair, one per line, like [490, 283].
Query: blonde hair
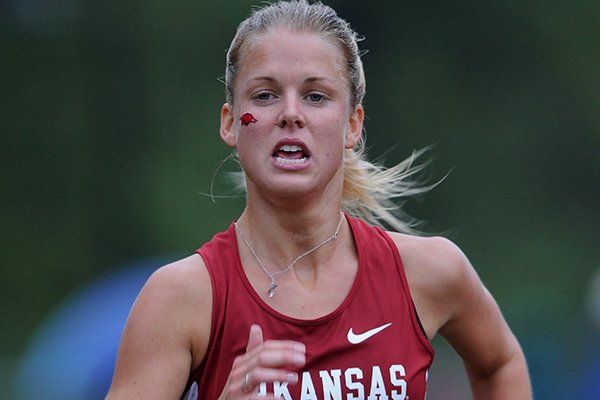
[370, 191]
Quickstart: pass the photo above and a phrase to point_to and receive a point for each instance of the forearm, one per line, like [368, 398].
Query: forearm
[509, 381]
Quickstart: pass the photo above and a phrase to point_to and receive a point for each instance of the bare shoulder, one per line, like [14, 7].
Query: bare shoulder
[451, 299]
[166, 334]
[174, 289]
[437, 259]
[180, 295]
[436, 270]
[180, 281]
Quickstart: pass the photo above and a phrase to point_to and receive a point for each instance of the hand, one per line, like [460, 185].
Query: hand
[270, 361]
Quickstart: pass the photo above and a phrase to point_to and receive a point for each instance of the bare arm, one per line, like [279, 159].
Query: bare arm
[452, 300]
[166, 337]
[478, 332]
[166, 333]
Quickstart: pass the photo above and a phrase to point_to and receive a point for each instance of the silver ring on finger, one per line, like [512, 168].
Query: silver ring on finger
[246, 383]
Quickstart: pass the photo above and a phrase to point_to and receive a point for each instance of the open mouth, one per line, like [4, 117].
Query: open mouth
[290, 154]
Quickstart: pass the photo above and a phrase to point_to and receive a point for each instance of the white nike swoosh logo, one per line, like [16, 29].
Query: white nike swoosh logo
[356, 339]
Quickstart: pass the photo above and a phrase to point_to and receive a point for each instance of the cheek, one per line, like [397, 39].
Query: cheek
[247, 119]
[250, 133]
[252, 120]
[250, 136]
[337, 129]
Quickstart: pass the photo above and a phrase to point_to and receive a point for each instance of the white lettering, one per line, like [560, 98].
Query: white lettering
[332, 388]
[308, 391]
[351, 385]
[262, 390]
[397, 373]
[281, 390]
[377, 386]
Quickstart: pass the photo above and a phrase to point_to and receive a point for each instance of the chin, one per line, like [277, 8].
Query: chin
[304, 189]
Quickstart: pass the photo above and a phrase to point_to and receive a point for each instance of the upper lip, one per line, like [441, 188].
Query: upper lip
[291, 142]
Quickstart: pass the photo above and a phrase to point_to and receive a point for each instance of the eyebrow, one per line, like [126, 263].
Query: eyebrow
[263, 78]
[273, 80]
[315, 79]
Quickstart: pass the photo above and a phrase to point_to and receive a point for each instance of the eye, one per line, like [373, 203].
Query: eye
[316, 97]
[263, 96]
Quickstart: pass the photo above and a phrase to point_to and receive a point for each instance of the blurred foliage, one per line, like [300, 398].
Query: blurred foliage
[109, 136]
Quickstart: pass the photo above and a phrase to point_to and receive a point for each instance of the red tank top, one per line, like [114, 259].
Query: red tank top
[371, 347]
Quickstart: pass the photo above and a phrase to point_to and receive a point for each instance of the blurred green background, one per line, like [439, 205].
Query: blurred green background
[109, 136]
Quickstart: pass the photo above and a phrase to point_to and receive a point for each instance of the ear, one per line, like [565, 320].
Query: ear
[227, 131]
[355, 126]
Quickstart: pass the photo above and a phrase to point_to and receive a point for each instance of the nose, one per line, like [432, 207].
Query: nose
[291, 115]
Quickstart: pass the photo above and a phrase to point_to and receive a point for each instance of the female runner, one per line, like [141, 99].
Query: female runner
[304, 296]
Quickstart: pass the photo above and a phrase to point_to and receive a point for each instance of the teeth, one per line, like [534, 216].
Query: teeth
[290, 161]
[290, 148]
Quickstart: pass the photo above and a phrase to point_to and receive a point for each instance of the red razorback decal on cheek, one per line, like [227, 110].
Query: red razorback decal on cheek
[248, 119]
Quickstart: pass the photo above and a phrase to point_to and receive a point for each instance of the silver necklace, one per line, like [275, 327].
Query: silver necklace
[271, 291]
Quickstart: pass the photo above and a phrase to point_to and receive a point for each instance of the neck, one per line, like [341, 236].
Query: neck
[279, 237]
[273, 273]
[300, 212]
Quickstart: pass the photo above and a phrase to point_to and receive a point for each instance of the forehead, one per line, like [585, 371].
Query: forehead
[282, 51]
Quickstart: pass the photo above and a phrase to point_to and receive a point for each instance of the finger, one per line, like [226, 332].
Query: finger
[272, 375]
[284, 345]
[267, 361]
[291, 357]
[255, 338]
[252, 379]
